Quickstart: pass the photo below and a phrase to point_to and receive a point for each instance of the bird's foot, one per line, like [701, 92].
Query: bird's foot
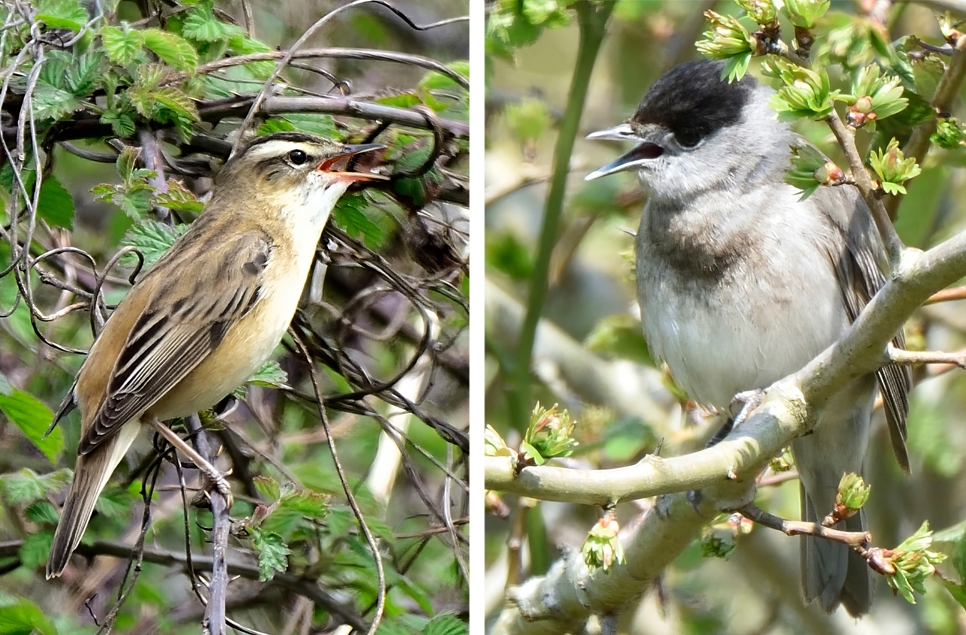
[744, 403]
[215, 480]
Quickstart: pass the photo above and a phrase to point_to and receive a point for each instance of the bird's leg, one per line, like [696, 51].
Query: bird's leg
[216, 477]
[748, 401]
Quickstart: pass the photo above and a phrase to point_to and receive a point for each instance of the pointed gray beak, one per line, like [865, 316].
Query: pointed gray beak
[644, 152]
[622, 132]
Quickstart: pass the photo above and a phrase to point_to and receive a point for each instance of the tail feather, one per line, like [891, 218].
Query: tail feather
[831, 572]
[858, 588]
[91, 475]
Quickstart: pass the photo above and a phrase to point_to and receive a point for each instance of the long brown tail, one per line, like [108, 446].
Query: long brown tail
[91, 475]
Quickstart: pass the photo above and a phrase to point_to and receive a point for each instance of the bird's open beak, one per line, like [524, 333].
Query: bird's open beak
[642, 153]
[349, 151]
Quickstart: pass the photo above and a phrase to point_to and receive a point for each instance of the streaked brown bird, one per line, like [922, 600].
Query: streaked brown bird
[207, 314]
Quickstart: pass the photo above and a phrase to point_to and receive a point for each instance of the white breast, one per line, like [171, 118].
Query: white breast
[762, 321]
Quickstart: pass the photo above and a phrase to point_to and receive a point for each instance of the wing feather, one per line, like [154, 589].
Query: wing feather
[200, 290]
[860, 272]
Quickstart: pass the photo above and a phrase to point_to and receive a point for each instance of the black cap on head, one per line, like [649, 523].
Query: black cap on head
[692, 101]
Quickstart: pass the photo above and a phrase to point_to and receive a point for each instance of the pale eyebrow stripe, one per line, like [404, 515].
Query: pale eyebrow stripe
[277, 148]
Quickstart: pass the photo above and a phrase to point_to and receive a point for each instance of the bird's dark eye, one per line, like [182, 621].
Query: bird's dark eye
[688, 138]
[297, 157]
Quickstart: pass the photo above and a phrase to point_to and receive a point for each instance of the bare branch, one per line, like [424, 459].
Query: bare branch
[800, 528]
[338, 53]
[900, 356]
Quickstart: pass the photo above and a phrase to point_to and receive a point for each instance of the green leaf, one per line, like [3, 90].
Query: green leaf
[23, 617]
[42, 513]
[85, 73]
[242, 45]
[528, 118]
[515, 24]
[148, 76]
[893, 167]
[171, 49]
[56, 206]
[957, 537]
[446, 623]
[505, 252]
[434, 80]
[34, 550]
[54, 70]
[406, 99]
[152, 238]
[179, 198]
[625, 438]
[620, 336]
[322, 125]
[126, 162]
[805, 13]
[134, 203]
[805, 93]
[350, 217]
[274, 125]
[26, 486]
[307, 503]
[115, 502]
[176, 101]
[532, 453]
[272, 553]
[269, 375]
[121, 45]
[958, 592]
[728, 40]
[121, 123]
[32, 417]
[201, 24]
[62, 14]
[268, 488]
[807, 163]
[50, 102]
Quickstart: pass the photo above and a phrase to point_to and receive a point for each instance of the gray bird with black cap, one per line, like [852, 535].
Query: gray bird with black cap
[742, 283]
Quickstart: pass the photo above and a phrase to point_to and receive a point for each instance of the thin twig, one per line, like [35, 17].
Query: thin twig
[890, 239]
[947, 295]
[801, 528]
[370, 539]
[946, 91]
[900, 356]
[246, 124]
[338, 53]
[151, 156]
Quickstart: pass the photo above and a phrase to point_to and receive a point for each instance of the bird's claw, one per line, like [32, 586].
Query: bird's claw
[221, 484]
[694, 497]
[745, 403]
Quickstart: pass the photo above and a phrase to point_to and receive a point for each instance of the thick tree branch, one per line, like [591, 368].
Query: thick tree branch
[781, 417]
[88, 127]
[563, 599]
[568, 594]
